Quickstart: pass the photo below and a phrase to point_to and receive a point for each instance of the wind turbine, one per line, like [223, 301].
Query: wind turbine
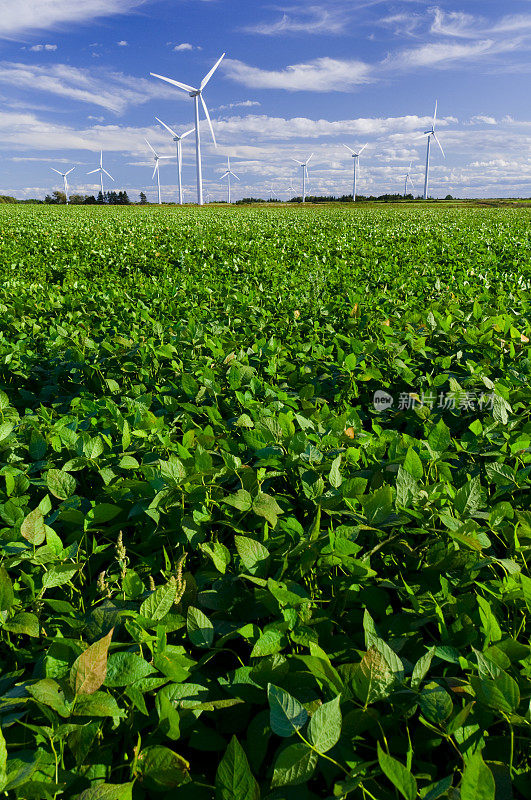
[408, 180]
[356, 157]
[228, 174]
[196, 95]
[101, 170]
[291, 189]
[304, 166]
[156, 171]
[64, 176]
[178, 139]
[272, 192]
[429, 134]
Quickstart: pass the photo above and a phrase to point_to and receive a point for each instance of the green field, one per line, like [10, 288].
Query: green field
[222, 568]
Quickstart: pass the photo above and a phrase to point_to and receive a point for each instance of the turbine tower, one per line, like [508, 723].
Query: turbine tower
[429, 134]
[408, 180]
[356, 157]
[304, 167]
[156, 171]
[291, 190]
[178, 139]
[196, 95]
[64, 177]
[272, 192]
[101, 170]
[228, 175]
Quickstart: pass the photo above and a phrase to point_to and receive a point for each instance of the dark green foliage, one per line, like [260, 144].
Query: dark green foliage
[224, 573]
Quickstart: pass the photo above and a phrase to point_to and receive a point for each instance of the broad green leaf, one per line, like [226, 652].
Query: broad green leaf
[98, 704]
[286, 714]
[159, 602]
[324, 729]
[439, 438]
[421, 668]
[252, 553]
[6, 590]
[378, 505]
[200, 629]
[435, 703]
[162, 768]
[266, 506]
[234, 779]
[241, 500]
[107, 791]
[123, 669]
[400, 776]
[478, 781]
[61, 484]
[294, 766]
[49, 693]
[58, 575]
[24, 623]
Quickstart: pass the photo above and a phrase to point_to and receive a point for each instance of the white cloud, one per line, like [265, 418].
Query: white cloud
[440, 55]
[19, 16]
[320, 75]
[313, 19]
[238, 104]
[113, 91]
[183, 46]
[38, 48]
[122, 43]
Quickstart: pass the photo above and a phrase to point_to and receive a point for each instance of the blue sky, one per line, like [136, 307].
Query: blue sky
[299, 77]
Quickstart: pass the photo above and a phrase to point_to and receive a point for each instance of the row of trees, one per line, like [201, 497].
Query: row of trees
[107, 198]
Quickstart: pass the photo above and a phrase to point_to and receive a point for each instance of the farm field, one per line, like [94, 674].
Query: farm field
[265, 517]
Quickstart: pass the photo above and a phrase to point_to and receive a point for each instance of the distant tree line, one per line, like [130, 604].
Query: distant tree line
[107, 198]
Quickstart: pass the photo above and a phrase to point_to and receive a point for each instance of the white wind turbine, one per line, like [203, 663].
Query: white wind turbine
[356, 157]
[156, 171]
[101, 170]
[304, 167]
[196, 95]
[272, 193]
[64, 177]
[228, 175]
[291, 190]
[429, 134]
[408, 180]
[178, 139]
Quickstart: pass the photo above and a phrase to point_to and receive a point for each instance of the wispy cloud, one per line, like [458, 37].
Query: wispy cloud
[313, 19]
[238, 104]
[110, 90]
[320, 75]
[19, 16]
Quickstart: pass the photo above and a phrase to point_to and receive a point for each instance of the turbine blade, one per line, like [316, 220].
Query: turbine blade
[298, 162]
[224, 176]
[150, 147]
[440, 145]
[59, 173]
[167, 127]
[362, 149]
[108, 174]
[435, 113]
[422, 135]
[207, 115]
[183, 86]
[209, 74]
[70, 170]
[235, 176]
[92, 171]
[187, 133]
[349, 149]
[309, 159]
[155, 170]
[101, 158]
